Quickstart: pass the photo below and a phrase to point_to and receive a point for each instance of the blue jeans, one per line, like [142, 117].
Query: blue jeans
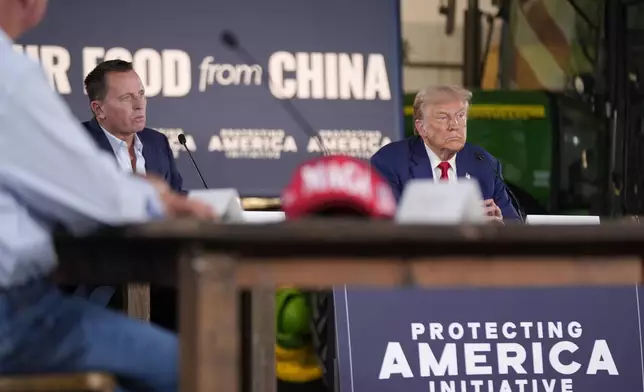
[101, 295]
[45, 331]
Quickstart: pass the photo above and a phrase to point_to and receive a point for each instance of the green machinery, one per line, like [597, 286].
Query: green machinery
[553, 150]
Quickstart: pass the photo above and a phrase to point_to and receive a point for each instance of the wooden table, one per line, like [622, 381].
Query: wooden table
[215, 261]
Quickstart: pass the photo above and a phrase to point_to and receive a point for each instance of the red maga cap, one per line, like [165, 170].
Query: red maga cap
[337, 182]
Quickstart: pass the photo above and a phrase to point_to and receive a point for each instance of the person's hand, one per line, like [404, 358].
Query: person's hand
[178, 205]
[158, 183]
[492, 211]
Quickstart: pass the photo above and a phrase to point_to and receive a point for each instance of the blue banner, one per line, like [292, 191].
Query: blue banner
[493, 340]
[338, 61]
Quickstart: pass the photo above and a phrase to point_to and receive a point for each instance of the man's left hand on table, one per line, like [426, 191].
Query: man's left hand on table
[492, 211]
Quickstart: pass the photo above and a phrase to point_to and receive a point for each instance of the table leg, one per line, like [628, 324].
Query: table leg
[209, 324]
[137, 301]
[263, 332]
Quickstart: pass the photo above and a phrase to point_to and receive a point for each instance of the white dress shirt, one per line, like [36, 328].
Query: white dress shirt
[52, 172]
[122, 153]
[434, 160]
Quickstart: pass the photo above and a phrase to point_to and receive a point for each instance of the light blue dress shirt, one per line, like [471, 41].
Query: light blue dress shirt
[123, 154]
[52, 172]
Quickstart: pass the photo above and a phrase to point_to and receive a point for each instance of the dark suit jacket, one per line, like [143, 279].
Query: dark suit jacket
[156, 151]
[403, 160]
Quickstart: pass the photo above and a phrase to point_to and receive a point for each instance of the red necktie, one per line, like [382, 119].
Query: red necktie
[444, 166]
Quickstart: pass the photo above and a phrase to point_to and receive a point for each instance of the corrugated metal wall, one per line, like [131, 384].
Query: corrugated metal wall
[545, 40]
[549, 40]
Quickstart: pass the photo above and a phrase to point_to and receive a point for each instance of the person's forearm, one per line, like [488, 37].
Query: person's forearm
[47, 160]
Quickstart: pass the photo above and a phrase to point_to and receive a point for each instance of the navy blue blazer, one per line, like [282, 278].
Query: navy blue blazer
[403, 160]
[156, 151]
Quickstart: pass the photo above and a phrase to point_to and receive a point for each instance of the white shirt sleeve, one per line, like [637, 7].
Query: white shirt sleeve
[49, 162]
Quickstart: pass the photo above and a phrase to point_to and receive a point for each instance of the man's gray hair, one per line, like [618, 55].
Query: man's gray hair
[439, 94]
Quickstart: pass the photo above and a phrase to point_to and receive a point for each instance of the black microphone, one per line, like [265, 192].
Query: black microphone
[182, 140]
[231, 42]
[510, 193]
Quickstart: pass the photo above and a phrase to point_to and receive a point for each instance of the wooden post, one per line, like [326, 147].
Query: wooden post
[209, 325]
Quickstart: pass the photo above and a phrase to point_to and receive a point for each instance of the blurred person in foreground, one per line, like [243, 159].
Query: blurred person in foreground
[331, 186]
[440, 151]
[118, 102]
[52, 174]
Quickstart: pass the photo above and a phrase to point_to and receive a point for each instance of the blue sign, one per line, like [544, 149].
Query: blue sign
[339, 62]
[492, 340]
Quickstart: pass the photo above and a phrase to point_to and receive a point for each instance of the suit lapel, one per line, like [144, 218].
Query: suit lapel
[420, 166]
[468, 167]
[96, 132]
[464, 163]
[148, 152]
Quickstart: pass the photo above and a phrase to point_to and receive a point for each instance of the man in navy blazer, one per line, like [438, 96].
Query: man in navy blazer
[118, 102]
[439, 151]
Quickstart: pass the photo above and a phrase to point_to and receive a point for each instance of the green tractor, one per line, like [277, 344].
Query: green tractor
[552, 148]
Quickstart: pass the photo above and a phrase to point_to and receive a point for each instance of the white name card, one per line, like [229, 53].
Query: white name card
[424, 201]
[225, 202]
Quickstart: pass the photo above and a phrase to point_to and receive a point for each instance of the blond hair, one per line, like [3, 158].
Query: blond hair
[438, 94]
